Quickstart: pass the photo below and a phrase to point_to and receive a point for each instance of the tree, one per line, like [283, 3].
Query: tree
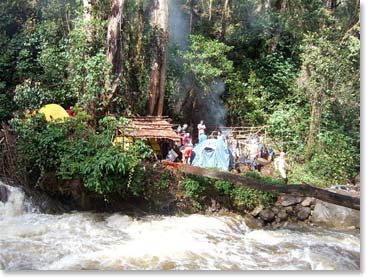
[330, 76]
[157, 80]
[114, 50]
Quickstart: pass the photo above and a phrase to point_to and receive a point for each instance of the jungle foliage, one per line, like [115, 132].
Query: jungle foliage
[241, 198]
[292, 65]
[73, 150]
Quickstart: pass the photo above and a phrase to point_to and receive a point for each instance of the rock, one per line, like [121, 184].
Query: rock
[334, 216]
[267, 215]
[257, 210]
[297, 208]
[275, 210]
[253, 223]
[293, 226]
[303, 213]
[4, 194]
[215, 206]
[282, 215]
[289, 210]
[288, 200]
[357, 181]
[308, 201]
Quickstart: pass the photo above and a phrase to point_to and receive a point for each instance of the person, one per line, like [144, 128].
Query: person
[71, 111]
[184, 128]
[203, 137]
[201, 128]
[187, 139]
[260, 145]
[179, 128]
[235, 147]
[220, 136]
[271, 154]
[281, 165]
[187, 153]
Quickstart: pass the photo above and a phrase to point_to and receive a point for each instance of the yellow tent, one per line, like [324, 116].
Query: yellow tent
[53, 112]
[125, 142]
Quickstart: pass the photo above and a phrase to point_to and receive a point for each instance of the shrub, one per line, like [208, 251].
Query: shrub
[73, 150]
[242, 197]
[223, 187]
[193, 188]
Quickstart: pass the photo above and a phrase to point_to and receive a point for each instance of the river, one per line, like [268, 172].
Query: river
[31, 240]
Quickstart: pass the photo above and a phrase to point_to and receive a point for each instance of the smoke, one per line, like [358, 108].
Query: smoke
[179, 31]
[208, 105]
[214, 112]
[179, 25]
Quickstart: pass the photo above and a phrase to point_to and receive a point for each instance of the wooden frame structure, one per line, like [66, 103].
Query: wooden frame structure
[157, 131]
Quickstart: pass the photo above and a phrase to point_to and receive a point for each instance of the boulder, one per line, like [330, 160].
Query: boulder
[303, 213]
[4, 194]
[267, 215]
[289, 200]
[308, 201]
[333, 216]
[253, 223]
[257, 210]
[275, 209]
[289, 210]
[297, 207]
[282, 215]
[215, 206]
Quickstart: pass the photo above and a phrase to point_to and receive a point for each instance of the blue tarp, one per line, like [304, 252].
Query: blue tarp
[213, 153]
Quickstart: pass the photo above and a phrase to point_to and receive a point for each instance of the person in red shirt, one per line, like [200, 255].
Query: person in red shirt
[187, 153]
[71, 111]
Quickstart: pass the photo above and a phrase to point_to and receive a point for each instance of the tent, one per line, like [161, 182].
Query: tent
[213, 153]
[53, 111]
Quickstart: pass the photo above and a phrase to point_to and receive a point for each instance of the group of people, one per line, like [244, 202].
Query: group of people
[187, 144]
[255, 147]
[257, 150]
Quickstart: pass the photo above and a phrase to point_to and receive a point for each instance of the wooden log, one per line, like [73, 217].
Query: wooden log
[294, 189]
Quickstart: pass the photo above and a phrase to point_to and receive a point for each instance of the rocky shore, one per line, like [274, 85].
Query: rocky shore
[290, 211]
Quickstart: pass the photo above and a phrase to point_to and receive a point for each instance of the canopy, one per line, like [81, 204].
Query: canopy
[53, 111]
[213, 153]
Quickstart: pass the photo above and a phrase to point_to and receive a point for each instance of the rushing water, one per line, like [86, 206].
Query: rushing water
[80, 240]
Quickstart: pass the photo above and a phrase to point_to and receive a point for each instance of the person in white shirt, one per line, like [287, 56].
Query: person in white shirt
[201, 128]
[235, 147]
[281, 165]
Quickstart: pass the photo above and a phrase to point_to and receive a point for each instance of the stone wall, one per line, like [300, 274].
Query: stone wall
[290, 211]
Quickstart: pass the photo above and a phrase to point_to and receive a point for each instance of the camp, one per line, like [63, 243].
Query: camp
[53, 112]
[213, 153]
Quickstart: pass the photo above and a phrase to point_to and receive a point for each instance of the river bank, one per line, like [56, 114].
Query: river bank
[172, 199]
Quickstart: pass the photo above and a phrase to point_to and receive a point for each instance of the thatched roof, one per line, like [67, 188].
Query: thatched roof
[157, 127]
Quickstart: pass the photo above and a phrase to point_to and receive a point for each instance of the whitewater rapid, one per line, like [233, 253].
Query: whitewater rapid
[31, 240]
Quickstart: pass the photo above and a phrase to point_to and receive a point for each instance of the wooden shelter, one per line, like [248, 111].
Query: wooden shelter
[157, 131]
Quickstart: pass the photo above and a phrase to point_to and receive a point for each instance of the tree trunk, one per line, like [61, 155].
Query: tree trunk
[191, 14]
[224, 19]
[331, 6]
[156, 87]
[114, 50]
[88, 17]
[114, 39]
[301, 189]
[315, 122]
[87, 14]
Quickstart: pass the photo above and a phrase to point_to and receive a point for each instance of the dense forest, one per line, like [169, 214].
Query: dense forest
[291, 65]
